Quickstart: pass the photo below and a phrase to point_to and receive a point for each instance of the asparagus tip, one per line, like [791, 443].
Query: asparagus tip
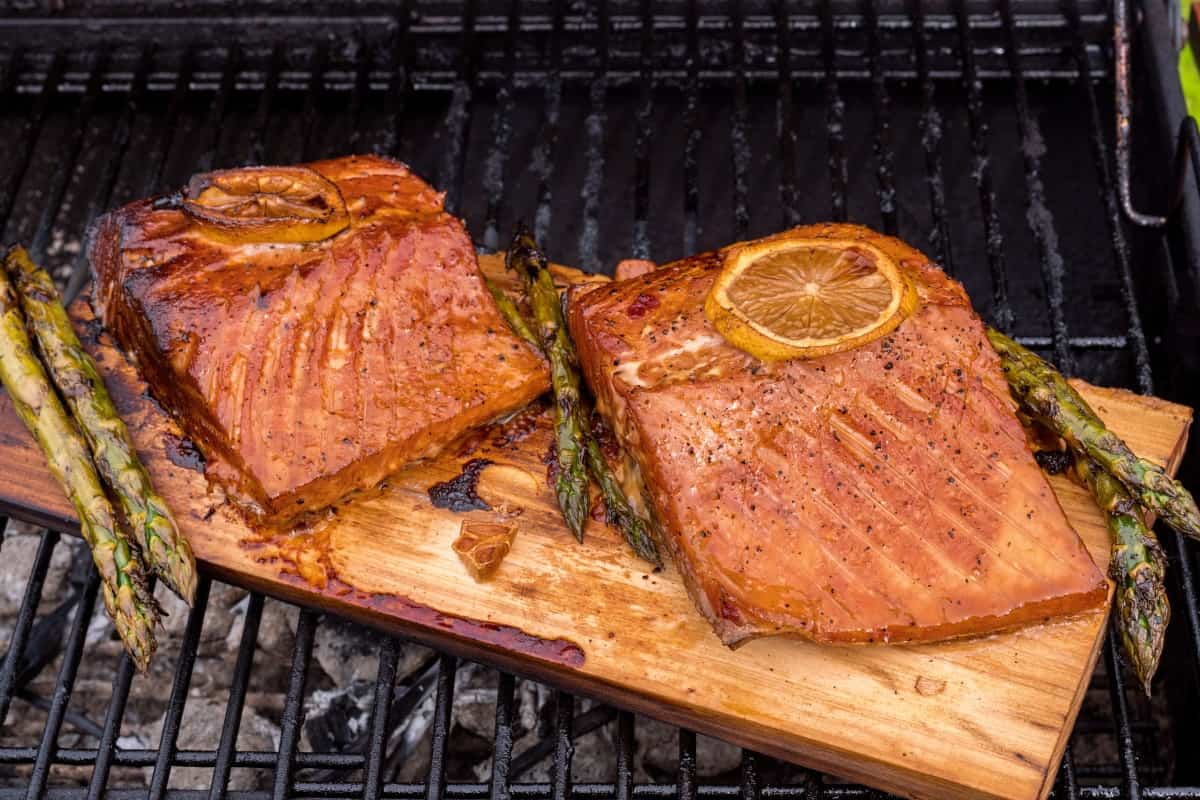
[1144, 611]
[179, 574]
[571, 487]
[134, 618]
[169, 555]
[575, 510]
[648, 552]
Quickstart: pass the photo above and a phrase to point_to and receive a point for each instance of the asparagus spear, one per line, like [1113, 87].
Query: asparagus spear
[1138, 566]
[164, 548]
[129, 604]
[1048, 396]
[571, 485]
[1053, 412]
[635, 529]
[512, 315]
[620, 513]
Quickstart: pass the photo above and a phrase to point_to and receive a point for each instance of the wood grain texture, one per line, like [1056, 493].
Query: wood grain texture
[984, 718]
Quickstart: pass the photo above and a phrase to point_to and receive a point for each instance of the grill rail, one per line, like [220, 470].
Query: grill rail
[645, 130]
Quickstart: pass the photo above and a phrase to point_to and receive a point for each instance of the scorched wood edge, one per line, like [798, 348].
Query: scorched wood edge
[983, 718]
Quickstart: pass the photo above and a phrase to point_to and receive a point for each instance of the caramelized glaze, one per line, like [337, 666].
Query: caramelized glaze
[881, 494]
[303, 371]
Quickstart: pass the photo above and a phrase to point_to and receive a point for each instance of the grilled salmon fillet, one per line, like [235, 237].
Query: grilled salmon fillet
[306, 370]
[881, 494]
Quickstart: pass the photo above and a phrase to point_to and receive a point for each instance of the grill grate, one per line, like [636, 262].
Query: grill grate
[636, 130]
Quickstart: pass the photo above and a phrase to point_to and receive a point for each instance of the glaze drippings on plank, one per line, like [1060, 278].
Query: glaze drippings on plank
[396, 609]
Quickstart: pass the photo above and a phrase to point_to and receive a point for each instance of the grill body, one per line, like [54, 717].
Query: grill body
[980, 131]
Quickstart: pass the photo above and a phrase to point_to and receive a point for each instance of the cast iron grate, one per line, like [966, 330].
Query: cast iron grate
[980, 131]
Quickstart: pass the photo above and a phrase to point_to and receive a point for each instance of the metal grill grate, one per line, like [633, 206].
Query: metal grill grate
[976, 130]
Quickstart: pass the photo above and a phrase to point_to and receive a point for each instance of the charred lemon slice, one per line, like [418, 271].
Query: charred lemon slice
[266, 204]
[802, 298]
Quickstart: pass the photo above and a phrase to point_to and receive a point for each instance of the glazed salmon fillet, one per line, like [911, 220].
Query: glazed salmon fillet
[306, 370]
[882, 494]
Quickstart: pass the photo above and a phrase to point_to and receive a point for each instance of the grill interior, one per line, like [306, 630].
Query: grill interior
[981, 132]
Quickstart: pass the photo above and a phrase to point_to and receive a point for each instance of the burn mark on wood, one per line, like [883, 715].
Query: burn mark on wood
[182, 452]
[459, 493]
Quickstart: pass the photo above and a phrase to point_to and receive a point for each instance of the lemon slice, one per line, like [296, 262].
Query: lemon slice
[798, 297]
[266, 204]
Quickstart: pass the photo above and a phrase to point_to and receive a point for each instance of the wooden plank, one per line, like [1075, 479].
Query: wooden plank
[985, 718]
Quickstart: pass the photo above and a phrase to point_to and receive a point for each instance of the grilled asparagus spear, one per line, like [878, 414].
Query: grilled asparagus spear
[129, 604]
[571, 485]
[1051, 409]
[1138, 566]
[164, 548]
[620, 513]
[1048, 396]
[633, 527]
[512, 315]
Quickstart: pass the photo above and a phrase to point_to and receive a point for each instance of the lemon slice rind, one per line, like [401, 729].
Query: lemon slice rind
[759, 340]
[307, 206]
